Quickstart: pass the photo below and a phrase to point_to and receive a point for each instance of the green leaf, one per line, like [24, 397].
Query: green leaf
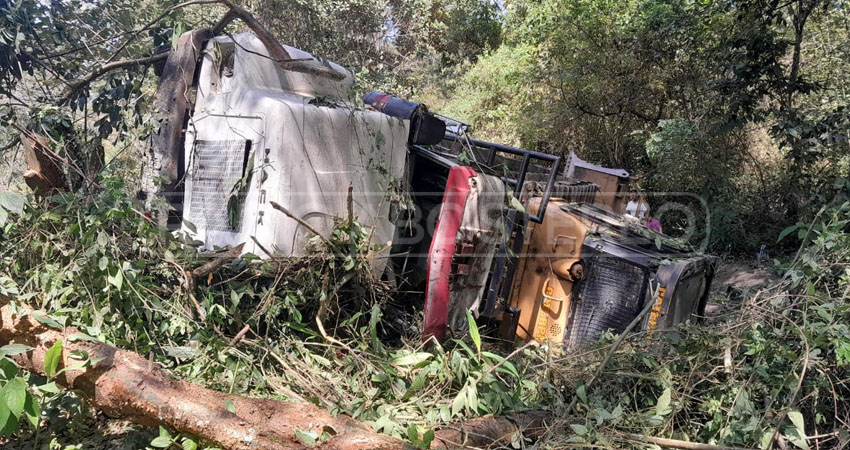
[16, 395]
[6, 416]
[81, 337]
[581, 392]
[766, 439]
[32, 409]
[460, 401]
[786, 232]
[374, 319]
[618, 410]
[427, 438]
[412, 359]
[116, 280]
[189, 444]
[103, 263]
[472, 397]
[14, 349]
[8, 368]
[181, 352]
[47, 320]
[662, 408]
[516, 204]
[466, 347]
[306, 437]
[52, 358]
[161, 442]
[799, 423]
[77, 366]
[579, 429]
[49, 388]
[228, 405]
[12, 202]
[473, 331]
[508, 368]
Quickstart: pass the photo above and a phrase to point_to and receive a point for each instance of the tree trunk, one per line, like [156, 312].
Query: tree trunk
[125, 385]
[44, 173]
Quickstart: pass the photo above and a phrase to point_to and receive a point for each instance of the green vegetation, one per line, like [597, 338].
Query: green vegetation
[101, 266]
[738, 102]
[742, 102]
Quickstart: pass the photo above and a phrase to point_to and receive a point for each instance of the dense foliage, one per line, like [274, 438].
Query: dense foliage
[737, 102]
[743, 103]
[773, 367]
[750, 89]
[101, 266]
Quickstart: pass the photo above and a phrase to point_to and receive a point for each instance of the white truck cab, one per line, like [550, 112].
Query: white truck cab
[259, 133]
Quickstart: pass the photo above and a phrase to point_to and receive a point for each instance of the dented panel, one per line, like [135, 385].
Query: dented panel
[550, 264]
[308, 143]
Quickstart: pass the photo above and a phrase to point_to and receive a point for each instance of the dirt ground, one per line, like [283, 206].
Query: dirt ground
[735, 279]
[743, 275]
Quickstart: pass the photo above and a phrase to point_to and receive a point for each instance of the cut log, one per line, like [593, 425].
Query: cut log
[124, 385]
[128, 386]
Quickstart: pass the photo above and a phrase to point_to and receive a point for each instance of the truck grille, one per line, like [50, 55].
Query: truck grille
[611, 297]
[216, 166]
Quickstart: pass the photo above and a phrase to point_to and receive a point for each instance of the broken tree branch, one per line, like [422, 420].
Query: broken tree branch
[302, 222]
[125, 385]
[156, 20]
[75, 86]
[276, 50]
[219, 259]
[675, 443]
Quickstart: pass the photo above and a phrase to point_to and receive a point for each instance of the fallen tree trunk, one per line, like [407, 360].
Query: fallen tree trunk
[124, 385]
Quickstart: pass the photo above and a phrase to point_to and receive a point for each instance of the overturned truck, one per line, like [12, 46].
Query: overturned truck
[263, 150]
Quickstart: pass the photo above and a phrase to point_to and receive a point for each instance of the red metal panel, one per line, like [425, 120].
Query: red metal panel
[437, 292]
